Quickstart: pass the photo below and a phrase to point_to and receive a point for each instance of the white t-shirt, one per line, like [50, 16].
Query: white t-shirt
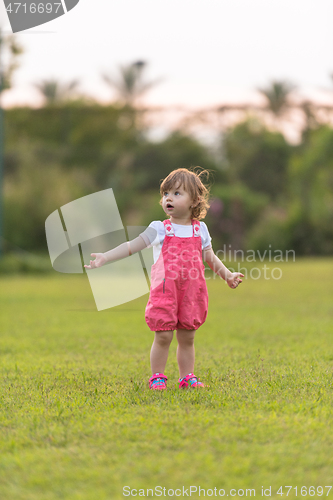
[155, 233]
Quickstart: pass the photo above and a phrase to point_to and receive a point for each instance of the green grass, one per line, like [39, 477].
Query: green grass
[78, 421]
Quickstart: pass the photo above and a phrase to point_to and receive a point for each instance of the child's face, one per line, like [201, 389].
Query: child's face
[177, 203]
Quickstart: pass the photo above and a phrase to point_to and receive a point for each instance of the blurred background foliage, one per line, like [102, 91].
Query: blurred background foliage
[264, 190]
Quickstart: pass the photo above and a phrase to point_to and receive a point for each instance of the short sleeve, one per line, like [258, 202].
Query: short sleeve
[151, 235]
[205, 236]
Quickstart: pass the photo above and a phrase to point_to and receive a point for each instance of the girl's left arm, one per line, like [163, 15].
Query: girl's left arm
[233, 279]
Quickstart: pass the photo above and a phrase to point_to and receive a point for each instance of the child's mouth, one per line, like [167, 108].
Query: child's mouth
[169, 207]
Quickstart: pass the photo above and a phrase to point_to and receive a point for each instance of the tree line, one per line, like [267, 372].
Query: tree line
[265, 191]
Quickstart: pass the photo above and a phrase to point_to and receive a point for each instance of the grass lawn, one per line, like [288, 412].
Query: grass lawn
[78, 421]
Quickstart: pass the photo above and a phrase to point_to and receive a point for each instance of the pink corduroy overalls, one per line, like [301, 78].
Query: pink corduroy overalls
[178, 294]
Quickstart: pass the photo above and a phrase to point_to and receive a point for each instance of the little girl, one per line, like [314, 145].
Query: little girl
[178, 297]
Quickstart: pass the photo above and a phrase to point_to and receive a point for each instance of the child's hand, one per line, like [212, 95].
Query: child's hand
[234, 280]
[98, 262]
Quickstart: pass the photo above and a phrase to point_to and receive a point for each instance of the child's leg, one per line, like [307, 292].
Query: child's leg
[185, 352]
[160, 350]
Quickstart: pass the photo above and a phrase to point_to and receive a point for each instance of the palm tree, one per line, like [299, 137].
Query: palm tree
[54, 92]
[14, 50]
[129, 84]
[277, 95]
[311, 120]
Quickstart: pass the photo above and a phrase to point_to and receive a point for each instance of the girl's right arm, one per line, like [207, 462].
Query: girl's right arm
[124, 250]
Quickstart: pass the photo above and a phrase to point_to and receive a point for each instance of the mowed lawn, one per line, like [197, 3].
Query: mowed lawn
[78, 421]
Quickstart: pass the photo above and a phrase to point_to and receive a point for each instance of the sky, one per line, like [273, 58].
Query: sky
[206, 52]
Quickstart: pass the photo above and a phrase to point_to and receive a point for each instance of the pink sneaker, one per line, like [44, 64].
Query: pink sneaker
[190, 381]
[158, 381]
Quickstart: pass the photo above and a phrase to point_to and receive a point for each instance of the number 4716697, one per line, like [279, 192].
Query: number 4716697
[304, 490]
[33, 7]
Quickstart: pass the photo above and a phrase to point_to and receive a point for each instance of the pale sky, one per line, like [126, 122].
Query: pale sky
[207, 51]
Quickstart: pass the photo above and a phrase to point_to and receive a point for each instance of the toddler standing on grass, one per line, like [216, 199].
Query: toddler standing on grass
[178, 299]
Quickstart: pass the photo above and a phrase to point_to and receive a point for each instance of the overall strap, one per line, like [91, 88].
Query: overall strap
[170, 232]
[168, 228]
[196, 228]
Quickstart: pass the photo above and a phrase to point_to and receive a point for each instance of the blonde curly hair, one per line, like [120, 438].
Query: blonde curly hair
[192, 183]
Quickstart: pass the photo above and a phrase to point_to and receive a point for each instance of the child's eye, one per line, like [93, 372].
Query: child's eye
[165, 193]
[176, 192]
